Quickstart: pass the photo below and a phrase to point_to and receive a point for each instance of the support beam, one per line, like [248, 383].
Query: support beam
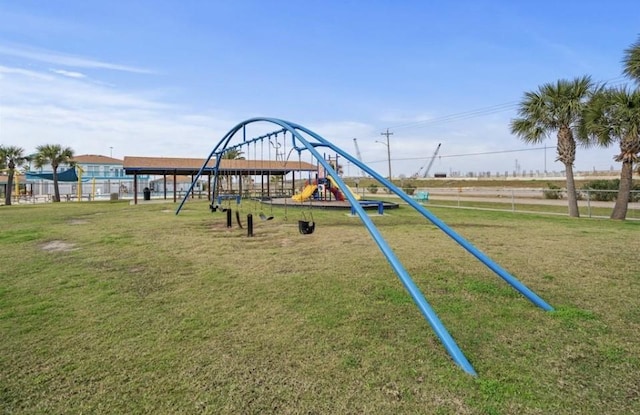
[164, 186]
[135, 188]
[269, 185]
[175, 186]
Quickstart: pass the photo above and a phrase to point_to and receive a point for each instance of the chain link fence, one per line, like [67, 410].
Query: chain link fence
[591, 202]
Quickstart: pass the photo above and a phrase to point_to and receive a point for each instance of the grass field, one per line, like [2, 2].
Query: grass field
[112, 308]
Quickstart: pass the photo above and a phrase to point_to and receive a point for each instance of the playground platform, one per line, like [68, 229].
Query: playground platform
[331, 204]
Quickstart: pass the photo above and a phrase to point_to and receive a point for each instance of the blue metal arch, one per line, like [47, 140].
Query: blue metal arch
[300, 143]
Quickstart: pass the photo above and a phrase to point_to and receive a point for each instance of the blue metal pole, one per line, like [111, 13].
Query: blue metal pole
[507, 277]
[226, 138]
[427, 311]
[429, 314]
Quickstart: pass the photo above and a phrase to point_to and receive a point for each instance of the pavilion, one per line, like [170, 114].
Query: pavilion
[174, 167]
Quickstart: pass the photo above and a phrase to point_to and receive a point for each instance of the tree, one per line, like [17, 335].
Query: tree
[55, 155]
[10, 158]
[232, 154]
[631, 62]
[613, 116]
[3, 164]
[555, 108]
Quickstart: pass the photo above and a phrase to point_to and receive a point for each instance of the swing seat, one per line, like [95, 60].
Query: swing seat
[306, 227]
[265, 217]
[238, 220]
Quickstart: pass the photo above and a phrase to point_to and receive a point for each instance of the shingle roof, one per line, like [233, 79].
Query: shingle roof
[95, 159]
[170, 165]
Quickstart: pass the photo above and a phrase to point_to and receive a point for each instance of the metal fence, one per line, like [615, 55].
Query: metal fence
[591, 203]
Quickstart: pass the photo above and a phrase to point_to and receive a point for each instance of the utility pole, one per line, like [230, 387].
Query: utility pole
[355, 142]
[387, 134]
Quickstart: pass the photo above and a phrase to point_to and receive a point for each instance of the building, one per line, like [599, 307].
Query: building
[102, 175]
[22, 188]
[98, 177]
[240, 176]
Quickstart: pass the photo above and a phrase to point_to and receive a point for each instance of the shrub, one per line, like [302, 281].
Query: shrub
[607, 190]
[554, 192]
[410, 189]
[373, 188]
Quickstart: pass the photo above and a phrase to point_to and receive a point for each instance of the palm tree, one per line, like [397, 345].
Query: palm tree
[555, 108]
[11, 157]
[3, 164]
[613, 115]
[631, 62]
[232, 154]
[55, 155]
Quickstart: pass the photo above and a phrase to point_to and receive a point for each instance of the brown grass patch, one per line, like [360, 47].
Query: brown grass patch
[58, 246]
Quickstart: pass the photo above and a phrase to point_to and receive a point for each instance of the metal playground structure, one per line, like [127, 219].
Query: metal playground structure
[302, 140]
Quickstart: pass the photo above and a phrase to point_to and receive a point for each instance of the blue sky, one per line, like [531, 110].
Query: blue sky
[169, 78]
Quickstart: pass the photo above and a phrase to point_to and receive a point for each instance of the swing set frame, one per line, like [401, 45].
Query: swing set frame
[303, 139]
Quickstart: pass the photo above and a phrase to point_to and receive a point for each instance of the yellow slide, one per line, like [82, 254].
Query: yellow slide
[307, 192]
[357, 196]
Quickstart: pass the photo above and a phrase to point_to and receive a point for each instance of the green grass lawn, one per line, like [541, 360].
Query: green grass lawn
[112, 308]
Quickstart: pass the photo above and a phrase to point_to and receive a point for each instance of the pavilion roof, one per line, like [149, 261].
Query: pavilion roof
[190, 166]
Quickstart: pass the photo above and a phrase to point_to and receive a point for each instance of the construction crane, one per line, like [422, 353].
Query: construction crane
[355, 142]
[429, 164]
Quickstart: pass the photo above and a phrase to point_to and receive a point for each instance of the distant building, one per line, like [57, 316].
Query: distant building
[99, 176]
[108, 175]
[21, 186]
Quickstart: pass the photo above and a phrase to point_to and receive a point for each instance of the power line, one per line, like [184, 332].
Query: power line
[492, 109]
[470, 154]
[460, 115]
[479, 112]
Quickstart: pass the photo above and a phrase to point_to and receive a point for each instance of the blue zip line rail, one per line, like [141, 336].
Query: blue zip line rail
[303, 139]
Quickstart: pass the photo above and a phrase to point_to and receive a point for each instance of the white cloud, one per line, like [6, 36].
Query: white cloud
[37, 108]
[42, 108]
[70, 74]
[62, 59]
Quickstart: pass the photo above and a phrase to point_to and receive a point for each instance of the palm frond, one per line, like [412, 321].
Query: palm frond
[631, 61]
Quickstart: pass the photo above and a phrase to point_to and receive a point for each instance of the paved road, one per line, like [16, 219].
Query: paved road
[508, 196]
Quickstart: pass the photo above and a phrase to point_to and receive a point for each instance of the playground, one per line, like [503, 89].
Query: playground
[326, 176]
[135, 309]
[243, 304]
